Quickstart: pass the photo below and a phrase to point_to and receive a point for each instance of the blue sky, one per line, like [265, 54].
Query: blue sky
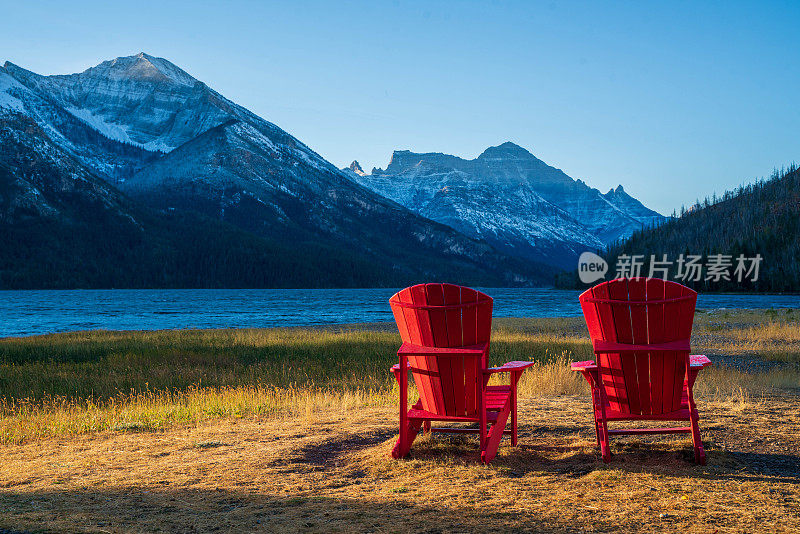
[674, 100]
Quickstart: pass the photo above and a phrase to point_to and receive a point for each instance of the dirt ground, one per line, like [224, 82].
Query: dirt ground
[333, 474]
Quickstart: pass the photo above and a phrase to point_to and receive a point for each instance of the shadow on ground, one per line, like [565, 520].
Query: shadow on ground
[190, 510]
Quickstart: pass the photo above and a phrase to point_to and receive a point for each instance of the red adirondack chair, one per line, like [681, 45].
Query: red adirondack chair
[640, 330]
[445, 330]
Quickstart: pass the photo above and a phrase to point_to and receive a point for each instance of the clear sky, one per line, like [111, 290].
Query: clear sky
[674, 100]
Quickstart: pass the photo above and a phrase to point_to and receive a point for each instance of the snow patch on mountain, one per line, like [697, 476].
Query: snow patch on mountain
[112, 131]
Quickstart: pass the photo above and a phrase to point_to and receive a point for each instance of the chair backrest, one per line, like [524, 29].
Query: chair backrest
[445, 315]
[641, 311]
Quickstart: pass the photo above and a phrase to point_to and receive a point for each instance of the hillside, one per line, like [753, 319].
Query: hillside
[63, 227]
[761, 218]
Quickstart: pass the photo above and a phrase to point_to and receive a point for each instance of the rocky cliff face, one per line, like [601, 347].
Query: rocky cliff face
[511, 199]
[40, 180]
[356, 168]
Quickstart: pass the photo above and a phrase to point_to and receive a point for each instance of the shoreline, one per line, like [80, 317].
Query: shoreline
[369, 325]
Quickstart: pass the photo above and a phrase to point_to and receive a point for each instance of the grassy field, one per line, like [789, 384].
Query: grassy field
[289, 429]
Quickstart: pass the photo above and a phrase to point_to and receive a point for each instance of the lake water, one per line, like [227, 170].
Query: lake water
[41, 312]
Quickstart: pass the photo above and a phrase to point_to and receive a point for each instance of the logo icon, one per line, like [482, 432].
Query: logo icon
[591, 267]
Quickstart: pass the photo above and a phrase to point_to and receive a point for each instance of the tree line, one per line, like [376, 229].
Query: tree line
[758, 220]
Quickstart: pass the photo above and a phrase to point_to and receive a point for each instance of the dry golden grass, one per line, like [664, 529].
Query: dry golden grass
[289, 430]
[770, 334]
[331, 473]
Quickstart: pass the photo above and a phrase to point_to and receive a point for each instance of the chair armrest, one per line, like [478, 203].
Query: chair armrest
[508, 367]
[588, 365]
[605, 347]
[698, 361]
[410, 349]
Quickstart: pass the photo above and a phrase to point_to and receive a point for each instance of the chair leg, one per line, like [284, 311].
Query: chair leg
[401, 374]
[400, 445]
[495, 435]
[514, 380]
[482, 438]
[407, 435]
[699, 452]
[597, 429]
[602, 428]
[605, 442]
[514, 427]
[595, 408]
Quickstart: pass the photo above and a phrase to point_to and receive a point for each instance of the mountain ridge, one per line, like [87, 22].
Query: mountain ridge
[129, 120]
[512, 199]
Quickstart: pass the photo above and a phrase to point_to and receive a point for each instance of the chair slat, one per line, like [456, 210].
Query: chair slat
[673, 377]
[472, 374]
[624, 374]
[452, 295]
[484, 325]
[433, 388]
[637, 291]
[438, 318]
[655, 335]
[469, 316]
[416, 363]
[410, 317]
[592, 316]
[469, 324]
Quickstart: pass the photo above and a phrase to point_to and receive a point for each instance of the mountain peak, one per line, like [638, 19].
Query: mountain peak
[141, 67]
[507, 150]
[356, 168]
[619, 190]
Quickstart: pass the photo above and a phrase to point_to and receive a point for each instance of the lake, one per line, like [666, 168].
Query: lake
[40, 312]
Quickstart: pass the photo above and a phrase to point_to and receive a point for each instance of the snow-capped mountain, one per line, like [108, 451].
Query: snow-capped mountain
[133, 100]
[170, 142]
[110, 159]
[148, 102]
[511, 199]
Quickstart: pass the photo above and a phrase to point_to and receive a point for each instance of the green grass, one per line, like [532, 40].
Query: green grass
[137, 381]
[101, 364]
